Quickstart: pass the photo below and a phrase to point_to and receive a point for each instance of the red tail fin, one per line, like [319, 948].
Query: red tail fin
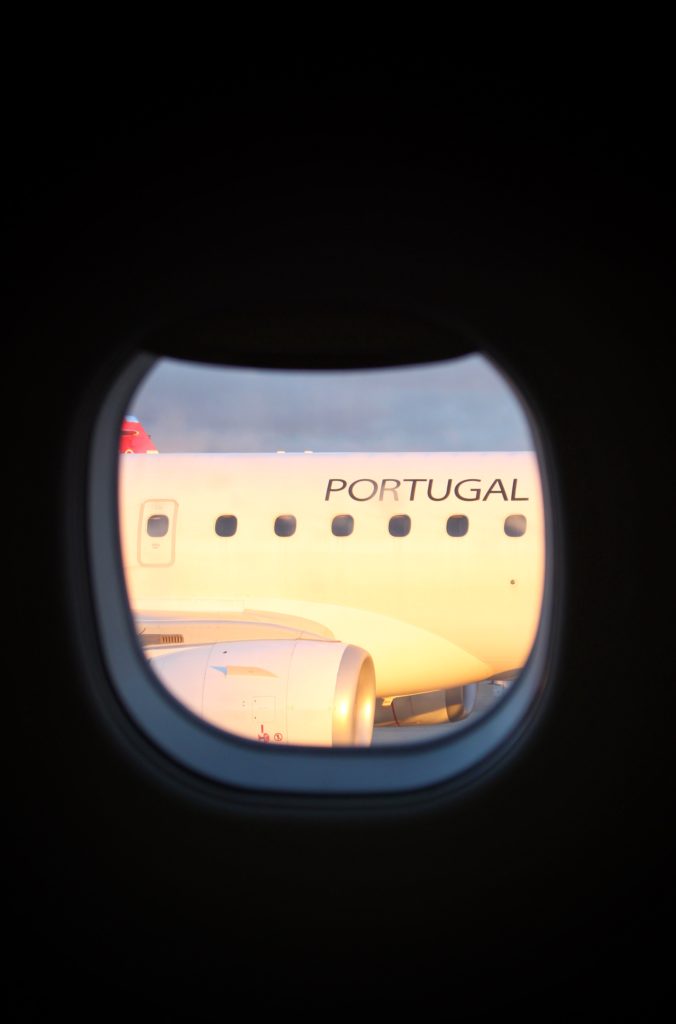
[134, 440]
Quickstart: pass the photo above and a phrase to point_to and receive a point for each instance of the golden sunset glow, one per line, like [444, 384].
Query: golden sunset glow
[438, 578]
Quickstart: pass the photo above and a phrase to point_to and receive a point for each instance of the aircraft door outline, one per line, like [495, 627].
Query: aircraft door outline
[157, 532]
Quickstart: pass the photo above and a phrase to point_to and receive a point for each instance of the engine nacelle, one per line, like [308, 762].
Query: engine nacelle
[309, 692]
[434, 708]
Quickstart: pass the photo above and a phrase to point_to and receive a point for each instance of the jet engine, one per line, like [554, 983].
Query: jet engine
[309, 692]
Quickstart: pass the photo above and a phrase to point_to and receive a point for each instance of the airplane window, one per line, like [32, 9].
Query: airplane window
[226, 526]
[400, 526]
[368, 645]
[457, 526]
[515, 526]
[157, 526]
[285, 526]
[342, 526]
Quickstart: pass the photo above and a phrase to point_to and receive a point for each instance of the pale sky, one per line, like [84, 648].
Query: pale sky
[463, 404]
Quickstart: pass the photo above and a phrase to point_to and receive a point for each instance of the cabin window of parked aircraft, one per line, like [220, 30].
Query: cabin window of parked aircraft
[285, 526]
[342, 526]
[399, 526]
[157, 526]
[457, 526]
[226, 526]
[515, 526]
[368, 643]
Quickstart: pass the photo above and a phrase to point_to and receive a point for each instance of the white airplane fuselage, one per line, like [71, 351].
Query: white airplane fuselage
[433, 610]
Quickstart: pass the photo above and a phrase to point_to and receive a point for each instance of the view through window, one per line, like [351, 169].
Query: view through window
[332, 558]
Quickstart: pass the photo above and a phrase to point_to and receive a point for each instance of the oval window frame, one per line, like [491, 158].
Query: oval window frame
[224, 758]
